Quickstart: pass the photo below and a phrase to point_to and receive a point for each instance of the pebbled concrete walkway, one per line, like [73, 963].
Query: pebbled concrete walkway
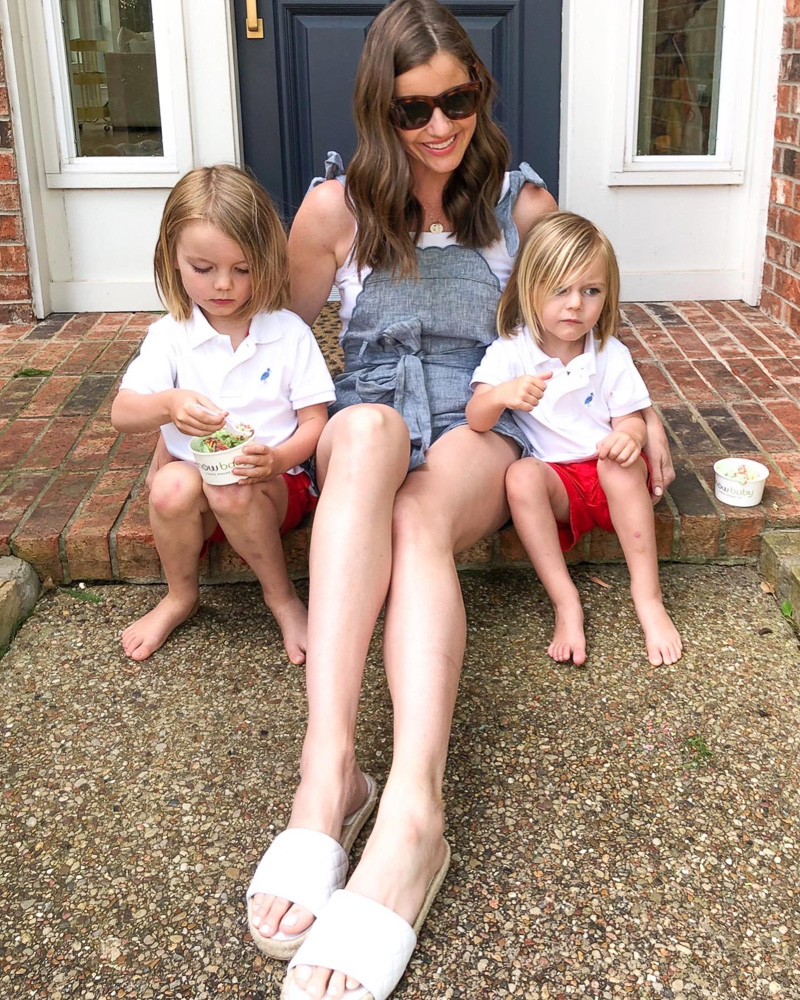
[723, 375]
[618, 831]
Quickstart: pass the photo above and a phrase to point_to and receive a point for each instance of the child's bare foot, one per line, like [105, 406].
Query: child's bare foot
[569, 642]
[150, 631]
[292, 617]
[661, 637]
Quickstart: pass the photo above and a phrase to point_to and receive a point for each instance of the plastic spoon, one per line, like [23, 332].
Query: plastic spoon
[230, 425]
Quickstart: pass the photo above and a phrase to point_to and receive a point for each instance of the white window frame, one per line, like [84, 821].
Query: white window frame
[64, 168]
[726, 165]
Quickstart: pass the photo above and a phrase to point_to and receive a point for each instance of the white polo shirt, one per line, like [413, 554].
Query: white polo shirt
[276, 370]
[579, 400]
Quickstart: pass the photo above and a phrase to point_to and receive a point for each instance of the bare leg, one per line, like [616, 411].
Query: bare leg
[362, 459]
[180, 521]
[538, 500]
[442, 508]
[160, 458]
[632, 516]
[251, 517]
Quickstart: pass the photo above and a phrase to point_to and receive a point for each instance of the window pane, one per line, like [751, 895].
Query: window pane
[113, 79]
[679, 91]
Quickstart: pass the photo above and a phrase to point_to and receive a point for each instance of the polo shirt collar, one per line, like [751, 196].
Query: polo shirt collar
[198, 329]
[585, 363]
[262, 331]
[265, 328]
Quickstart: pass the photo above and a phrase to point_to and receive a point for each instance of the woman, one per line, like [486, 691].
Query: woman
[420, 244]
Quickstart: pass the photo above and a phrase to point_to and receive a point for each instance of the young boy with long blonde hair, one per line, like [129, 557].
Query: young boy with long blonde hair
[574, 391]
[228, 345]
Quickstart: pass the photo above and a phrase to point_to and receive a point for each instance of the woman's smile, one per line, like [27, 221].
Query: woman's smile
[441, 147]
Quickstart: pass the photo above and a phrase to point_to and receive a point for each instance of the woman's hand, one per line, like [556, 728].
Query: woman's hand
[662, 471]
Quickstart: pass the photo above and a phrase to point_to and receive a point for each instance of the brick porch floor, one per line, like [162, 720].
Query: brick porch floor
[723, 376]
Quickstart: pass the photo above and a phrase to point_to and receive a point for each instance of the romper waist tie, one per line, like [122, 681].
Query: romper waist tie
[394, 363]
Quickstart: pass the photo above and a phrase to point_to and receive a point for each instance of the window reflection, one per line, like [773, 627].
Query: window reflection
[679, 92]
[113, 78]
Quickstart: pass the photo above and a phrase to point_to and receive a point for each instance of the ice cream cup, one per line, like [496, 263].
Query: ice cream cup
[731, 486]
[216, 467]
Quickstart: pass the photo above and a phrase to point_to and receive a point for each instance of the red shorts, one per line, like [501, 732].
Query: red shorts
[588, 507]
[302, 500]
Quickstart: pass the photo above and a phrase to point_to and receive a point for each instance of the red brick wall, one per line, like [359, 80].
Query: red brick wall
[15, 288]
[780, 296]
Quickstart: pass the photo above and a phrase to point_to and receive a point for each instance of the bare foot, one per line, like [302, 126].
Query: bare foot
[569, 642]
[314, 808]
[400, 859]
[150, 631]
[292, 617]
[661, 637]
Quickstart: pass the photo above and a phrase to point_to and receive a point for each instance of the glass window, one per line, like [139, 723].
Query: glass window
[113, 78]
[679, 83]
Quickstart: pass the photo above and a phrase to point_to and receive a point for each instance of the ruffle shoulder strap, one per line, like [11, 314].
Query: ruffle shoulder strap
[516, 178]
[334, 170]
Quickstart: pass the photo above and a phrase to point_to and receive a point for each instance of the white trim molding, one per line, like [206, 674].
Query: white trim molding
[105, 296]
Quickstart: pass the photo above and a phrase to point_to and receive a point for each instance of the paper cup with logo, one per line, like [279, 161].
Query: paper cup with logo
[739, 482]
[216, 467]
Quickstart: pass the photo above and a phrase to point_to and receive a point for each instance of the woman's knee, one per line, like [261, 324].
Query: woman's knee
[417, 522]
[369, 431]
[176, 490]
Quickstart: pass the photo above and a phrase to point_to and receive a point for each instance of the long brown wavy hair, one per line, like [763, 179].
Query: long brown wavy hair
[407, 34]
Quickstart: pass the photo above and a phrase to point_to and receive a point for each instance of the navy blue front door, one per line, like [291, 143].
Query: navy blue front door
[296, 83]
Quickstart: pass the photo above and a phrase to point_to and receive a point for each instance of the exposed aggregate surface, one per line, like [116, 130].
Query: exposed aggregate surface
[618, 830]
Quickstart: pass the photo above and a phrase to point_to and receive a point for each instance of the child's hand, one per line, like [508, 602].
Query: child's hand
[195, 414]
[619, 447]
[258, 464]
[523, 392]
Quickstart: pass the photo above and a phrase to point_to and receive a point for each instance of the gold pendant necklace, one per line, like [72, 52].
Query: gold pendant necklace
[436, 227]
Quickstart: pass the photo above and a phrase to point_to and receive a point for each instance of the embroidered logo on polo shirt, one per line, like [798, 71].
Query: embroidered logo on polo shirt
[265, 375]
[588, 399]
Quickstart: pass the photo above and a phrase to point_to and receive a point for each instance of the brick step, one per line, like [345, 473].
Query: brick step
[723, 376]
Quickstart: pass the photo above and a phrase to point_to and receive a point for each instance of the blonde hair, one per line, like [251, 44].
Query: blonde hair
[231, 200]
[559, 246]
[407, 34]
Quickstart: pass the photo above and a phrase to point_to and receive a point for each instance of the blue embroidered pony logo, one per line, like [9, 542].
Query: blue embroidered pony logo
[586, 401]
[265, 375]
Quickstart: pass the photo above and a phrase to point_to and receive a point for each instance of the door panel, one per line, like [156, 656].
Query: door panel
[296, 83]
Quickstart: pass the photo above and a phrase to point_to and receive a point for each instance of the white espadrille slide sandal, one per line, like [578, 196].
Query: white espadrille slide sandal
[364, 940]
[306, 867]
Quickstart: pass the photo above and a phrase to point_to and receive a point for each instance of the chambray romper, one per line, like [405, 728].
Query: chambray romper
[414, 343]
